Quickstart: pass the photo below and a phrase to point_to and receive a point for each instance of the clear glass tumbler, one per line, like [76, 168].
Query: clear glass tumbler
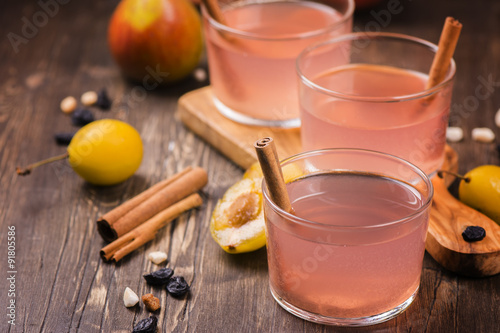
[252, 56]
[368, 90]
[352, 252]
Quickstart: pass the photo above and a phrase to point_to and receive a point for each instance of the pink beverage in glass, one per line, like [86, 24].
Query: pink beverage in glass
[381, 106]
[252, 57]
[352, 252]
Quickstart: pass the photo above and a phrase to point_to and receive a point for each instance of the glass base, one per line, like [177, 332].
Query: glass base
[361, 321]
[246, 120]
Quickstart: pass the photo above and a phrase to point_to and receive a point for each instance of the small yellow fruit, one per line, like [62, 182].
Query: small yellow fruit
[482, 191]
[237, 223]
[105, 152]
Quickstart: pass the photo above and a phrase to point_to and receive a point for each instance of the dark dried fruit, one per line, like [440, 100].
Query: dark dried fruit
[63, 138]
[177, 286]
[103, 100]
[147, 325]
[160, 277]
[473, 234]
[81, 117]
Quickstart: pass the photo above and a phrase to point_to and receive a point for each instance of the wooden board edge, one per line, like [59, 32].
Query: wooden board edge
[226, 146]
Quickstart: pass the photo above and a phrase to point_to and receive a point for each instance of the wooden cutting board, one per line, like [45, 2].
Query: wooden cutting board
[197, 111]
[449, 217]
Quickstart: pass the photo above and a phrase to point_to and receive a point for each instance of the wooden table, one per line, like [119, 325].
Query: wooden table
[62, 285]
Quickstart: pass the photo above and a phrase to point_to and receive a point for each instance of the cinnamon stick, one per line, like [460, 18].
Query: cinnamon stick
[269, 163]
[214, 10]
[105, 222]
[117, 223]
[446, 48]
[146, 232]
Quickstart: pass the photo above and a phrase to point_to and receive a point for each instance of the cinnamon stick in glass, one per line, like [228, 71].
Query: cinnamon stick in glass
[214, 10]
[271, 168]
[446, 48]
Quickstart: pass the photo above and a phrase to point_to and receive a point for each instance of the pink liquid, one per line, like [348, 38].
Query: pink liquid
[347, 273]
[413, 130]
[255, 76]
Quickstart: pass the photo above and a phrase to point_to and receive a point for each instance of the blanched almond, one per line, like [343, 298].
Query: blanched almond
[483, 134]
[130, 298]
[157, 257]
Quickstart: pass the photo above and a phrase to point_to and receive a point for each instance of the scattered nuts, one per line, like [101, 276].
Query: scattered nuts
[200, 74]
[454, 134]
[497, 118]
[152, 303]
[483, 134]
[89, 98]
[130, 298]
[68, 104]
[157, 257]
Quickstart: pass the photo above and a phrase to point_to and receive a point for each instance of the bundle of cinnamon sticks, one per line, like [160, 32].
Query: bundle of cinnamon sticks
[137, 221]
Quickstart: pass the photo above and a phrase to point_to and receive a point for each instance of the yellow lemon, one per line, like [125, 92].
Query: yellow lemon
[482, 191]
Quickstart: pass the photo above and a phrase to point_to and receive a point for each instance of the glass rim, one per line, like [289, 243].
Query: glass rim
[312, 224]
[450, 75]
[289, 37]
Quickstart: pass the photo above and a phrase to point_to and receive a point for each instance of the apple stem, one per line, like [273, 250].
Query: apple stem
[440, 175]
[27, 170]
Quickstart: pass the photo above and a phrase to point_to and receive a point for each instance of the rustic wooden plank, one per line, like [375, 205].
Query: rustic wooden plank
[62, 284]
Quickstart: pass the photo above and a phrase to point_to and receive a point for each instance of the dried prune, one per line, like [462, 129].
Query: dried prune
[63, 138]
[103, 100]
[473, 233]
[81, 117]
[177, 286]
[160, 277]
[147, 325]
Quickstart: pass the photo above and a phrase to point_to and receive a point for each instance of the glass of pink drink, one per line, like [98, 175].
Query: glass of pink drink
[252, 56]
[352, 252]
[368, 90]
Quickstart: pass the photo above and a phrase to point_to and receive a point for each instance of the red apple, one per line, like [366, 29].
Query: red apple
[155, 41]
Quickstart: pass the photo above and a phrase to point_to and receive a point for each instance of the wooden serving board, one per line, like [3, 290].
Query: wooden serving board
[449, 217]
[198, 112]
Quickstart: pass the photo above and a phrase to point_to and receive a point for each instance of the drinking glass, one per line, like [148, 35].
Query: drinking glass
[368, 90]
[351, 253]
[251, 57]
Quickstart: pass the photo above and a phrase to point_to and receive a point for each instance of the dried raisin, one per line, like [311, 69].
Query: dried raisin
[63, 138]
[103, 100]
[81, 117]
[160, 277]
[473, 233]
[147, 325]
[177, 286]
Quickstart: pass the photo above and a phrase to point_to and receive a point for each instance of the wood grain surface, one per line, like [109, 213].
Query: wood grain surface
[62, 285]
